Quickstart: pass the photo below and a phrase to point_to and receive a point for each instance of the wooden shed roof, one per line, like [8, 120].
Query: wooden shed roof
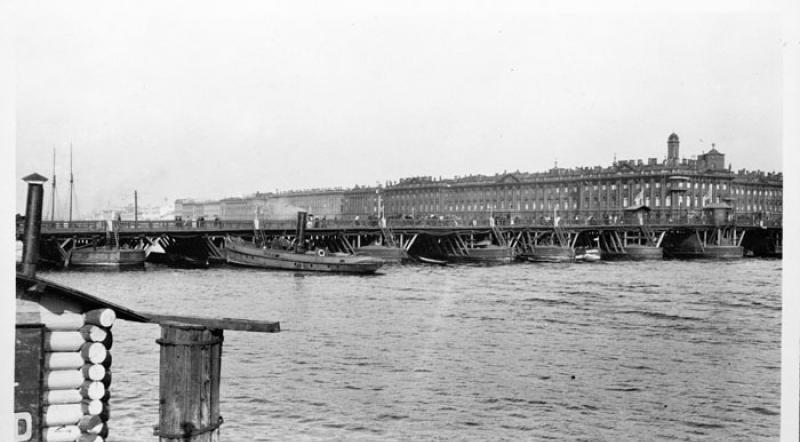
[31, 287]
[35, 285]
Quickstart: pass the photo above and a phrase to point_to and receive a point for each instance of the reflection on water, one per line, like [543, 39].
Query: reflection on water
[603, 351]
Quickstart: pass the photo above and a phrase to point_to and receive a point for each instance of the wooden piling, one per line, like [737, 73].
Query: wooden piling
[33, 223]
[189, 383]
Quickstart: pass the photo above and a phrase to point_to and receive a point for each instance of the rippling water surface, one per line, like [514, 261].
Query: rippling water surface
[608, 351]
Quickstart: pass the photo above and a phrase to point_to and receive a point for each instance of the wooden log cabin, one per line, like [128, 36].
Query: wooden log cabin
[63, 366]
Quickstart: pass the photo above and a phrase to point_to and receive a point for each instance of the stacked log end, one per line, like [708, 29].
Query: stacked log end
[77, 375]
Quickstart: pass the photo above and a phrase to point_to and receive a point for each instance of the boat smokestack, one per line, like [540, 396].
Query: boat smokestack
[301, 232]
[33, 223]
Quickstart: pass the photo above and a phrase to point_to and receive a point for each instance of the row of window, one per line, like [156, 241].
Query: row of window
[758, 192]
[603, 187]
[701, 191]
[530, 198]
[687, 202]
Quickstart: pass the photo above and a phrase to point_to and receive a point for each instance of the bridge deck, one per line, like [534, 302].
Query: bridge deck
[216, 228]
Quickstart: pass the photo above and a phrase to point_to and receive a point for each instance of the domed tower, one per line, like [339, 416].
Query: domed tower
[673, 143]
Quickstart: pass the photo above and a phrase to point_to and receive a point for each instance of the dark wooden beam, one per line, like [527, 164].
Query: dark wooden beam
[218, 323]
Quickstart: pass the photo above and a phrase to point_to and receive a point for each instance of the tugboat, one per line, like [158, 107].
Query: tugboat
[238, 252]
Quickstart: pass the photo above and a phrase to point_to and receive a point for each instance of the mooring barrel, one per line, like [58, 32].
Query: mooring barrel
[189, 383]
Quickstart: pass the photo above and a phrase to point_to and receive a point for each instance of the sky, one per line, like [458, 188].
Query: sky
[200, 100]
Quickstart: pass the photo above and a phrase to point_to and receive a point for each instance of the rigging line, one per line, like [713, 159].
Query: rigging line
[53, 193]
[77, 207]
[71, 181]
[53, 200]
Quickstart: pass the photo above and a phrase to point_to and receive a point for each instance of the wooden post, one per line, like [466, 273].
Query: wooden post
[33, 223]
[189, 383]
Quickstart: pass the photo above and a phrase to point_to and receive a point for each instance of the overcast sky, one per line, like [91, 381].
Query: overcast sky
[194, 100]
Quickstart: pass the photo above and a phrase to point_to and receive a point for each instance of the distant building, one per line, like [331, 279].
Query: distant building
[318, 202]
[671, 188]
[126, 213]
[362, 202]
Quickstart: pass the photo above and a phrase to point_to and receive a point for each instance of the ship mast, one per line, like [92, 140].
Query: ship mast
[71, 182]
[53, 193]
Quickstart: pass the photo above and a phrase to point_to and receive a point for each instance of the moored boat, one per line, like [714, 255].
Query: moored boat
[490, 253]
[551, 254]
[178, 260]
[429, 260]
[106, 257]
[634, 252]
[241, 253]
[386, 253]
[709, 252]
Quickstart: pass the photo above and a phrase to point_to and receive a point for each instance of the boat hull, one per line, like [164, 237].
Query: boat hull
[710, 252]
[101, 257]
[178, 260]
[248, 256]
[387, 254]
[490, 254]
[428, 260]
[552, 254]
[635, 253]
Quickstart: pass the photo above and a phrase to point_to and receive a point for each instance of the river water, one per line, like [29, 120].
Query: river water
[671, 350]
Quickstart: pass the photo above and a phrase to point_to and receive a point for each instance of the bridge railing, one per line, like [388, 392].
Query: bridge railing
[518, 219]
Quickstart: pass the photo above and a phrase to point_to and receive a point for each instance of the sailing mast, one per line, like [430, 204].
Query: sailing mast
[53, 193]
[71, 182]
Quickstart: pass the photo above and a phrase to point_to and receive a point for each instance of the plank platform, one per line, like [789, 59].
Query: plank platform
[250, 325]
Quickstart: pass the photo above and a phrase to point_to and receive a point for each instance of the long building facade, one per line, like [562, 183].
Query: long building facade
[673, 189]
